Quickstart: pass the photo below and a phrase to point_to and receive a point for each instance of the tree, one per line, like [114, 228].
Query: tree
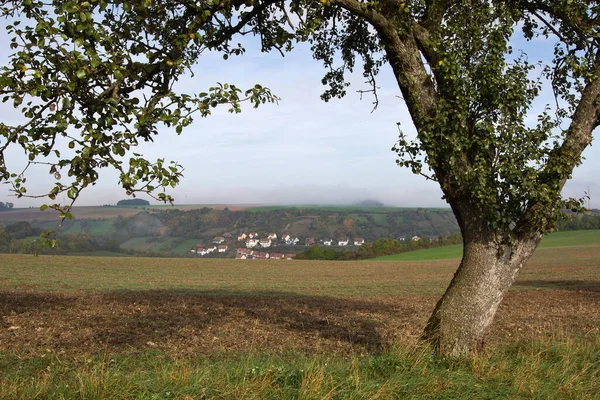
[6, 206]
[105, 70]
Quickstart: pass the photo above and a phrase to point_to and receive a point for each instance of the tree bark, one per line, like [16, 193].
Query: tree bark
[460, 320]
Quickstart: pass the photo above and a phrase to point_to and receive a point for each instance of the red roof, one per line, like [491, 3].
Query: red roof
[223, 246]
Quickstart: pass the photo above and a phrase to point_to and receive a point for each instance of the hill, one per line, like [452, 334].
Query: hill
[554, 240]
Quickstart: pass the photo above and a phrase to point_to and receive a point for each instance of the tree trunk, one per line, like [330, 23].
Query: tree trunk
[488, 269]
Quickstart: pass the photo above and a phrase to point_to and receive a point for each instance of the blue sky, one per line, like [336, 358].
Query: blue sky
[300, 151]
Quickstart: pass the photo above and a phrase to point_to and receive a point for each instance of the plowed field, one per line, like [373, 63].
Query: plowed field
[85, 304]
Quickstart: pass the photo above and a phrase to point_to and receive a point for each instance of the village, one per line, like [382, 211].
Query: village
[252, 241]
[255, 247]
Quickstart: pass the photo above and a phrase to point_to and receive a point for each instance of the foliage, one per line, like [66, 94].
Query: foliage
[133, 202]
[98, 78]
[6, 206]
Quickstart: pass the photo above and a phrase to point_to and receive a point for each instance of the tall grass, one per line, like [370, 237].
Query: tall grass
[546, 369]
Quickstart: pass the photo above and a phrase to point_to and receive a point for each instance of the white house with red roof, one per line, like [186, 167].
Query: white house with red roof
[251, 243]
[272, 236]
[265, 242]
[277, 256]
[222, 248]
[359, 241]
[343, 242]
[218, 239]
[252, 235]
[285, 237]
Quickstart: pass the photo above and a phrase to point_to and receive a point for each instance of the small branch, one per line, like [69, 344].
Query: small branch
[371, 82]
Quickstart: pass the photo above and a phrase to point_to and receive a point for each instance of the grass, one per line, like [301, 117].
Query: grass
[542, 370]
[185, 247]
[437, 253]
[147, 244]
[572, 238]
[558, 239]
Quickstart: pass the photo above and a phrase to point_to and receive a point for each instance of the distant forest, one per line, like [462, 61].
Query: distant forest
[6, 206]
[133, 202]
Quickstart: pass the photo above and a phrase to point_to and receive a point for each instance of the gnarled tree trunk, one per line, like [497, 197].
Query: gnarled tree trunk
[461, 318]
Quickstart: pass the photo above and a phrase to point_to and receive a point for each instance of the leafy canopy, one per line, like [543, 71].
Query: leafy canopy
[99, 75]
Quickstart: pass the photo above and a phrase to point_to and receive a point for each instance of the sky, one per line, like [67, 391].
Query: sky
[300, 151]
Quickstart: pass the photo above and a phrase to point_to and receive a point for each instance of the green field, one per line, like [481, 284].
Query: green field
[148, 244]
[185, 247]
[558, 239]
[437, 253]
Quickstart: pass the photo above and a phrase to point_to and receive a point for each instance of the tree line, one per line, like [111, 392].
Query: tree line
[378, 248]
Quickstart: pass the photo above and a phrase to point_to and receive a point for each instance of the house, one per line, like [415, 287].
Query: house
[252, 235]
[415, 238]
[276, 256]
[251, 243]
[402, 238]
[222, 248]
[211, 249]
[343, 242]
[285, 237]
[289, 256]
[201, 251]
[272, 236]
[309, 241]
[265, 242]
[359, 241]
[241, 237]
[327, 242]
[227, 235]
[291, 241]
[218, 239]
[240, 256]
[260, 255]
[244, 251]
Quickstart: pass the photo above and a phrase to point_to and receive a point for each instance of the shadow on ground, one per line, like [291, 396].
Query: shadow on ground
[207, 322]
[593, 286]
[204, 321]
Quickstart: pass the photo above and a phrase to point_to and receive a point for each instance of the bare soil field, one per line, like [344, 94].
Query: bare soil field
[76, 305]
[197, 322]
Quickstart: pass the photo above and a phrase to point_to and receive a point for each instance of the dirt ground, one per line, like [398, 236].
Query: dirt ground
[191, 322]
